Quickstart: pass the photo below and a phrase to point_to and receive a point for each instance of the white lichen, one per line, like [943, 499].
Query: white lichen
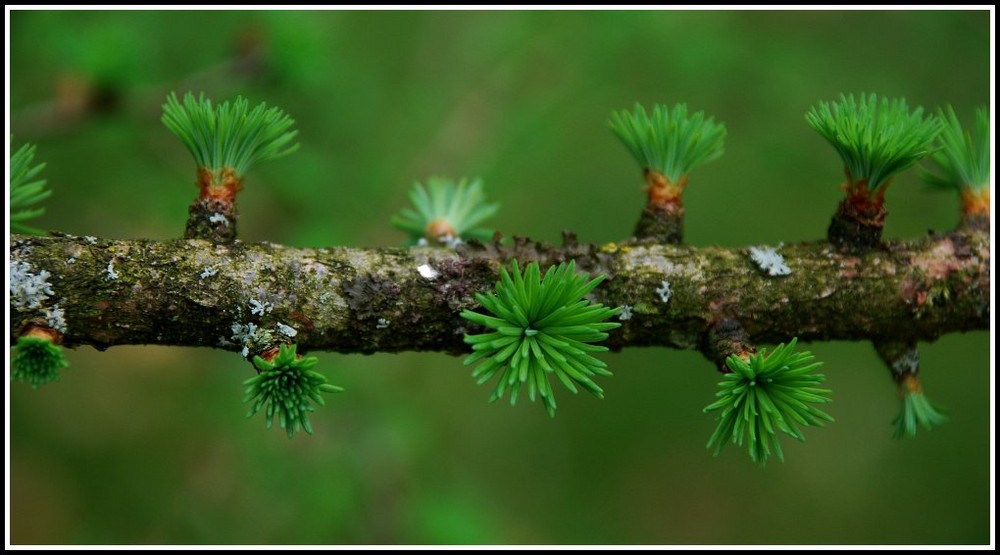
[428, 272]
[422, 242]
[71, 260]
[243, 332]
[55, 317]
[382, 323]
[287, 330]
[209, 271]
[27, 289]
[250, 336]
[626, 313]
[260, 308]
[217, 218]
[91, 239]
[664, 291]
[112, 274]
[768, 259]
[907, 363]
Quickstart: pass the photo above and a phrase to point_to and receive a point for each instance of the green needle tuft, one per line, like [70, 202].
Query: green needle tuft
[766, 394]
[37, 361]
[542, 326]
[669, 142]
[229, 136]
[287, 387]
[23, 191]
[876, 138]
[915, 409]
[445, 211]
[964, 156]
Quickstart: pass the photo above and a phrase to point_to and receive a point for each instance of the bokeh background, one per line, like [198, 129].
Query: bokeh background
[150, 445]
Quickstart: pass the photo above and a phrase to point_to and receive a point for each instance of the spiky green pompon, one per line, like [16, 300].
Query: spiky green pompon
[964, 156]
[229, 136]
[543, 326]
[915, 409]
[287, 386]
[876, 138]
[446, 210]
[36, 361]
[766, 394]
[670, 141]
[23, 191]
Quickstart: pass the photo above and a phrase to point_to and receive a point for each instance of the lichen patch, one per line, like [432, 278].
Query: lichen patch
[768, 260]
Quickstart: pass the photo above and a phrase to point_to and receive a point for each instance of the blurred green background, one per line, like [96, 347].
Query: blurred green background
[150, 445]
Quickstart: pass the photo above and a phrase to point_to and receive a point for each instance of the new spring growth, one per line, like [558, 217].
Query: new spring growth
[915, 409]
[903, 360]
[963, 157]
[25, 190]
[227, 139]
[542, 326]
[876, 138]
[668, 144]
[446, 211]
[36, 358]
[764, 394]
[286, 386]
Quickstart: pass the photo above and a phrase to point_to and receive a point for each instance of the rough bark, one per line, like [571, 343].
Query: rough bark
[661, 223]
[195, 293]
[857, 225]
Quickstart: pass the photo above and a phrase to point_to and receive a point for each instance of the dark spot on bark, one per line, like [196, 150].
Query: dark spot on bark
[369, 296]
[460, 280]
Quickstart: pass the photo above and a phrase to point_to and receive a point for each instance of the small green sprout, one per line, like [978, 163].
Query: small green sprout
[446, 211]
[668, 144]
[543, 325]
[964, 158]
[876, 139]
[287, 386]
[915, 409]
[36, 360]
[764, 394]
[23, 191]
[227, 139]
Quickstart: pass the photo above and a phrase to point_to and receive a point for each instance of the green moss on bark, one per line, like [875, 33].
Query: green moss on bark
[192, 292]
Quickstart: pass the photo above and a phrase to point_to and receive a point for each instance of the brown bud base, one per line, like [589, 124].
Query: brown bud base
[662, 221]
[212, 216]
[219, 185]
[271, 353]
[660, 190]
[976, 209]
[910, 384]
[858, 223]
[438, 229]
[43, 332]
[725, 338]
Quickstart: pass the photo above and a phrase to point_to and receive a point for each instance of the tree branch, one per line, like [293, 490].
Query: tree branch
[249, 297]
